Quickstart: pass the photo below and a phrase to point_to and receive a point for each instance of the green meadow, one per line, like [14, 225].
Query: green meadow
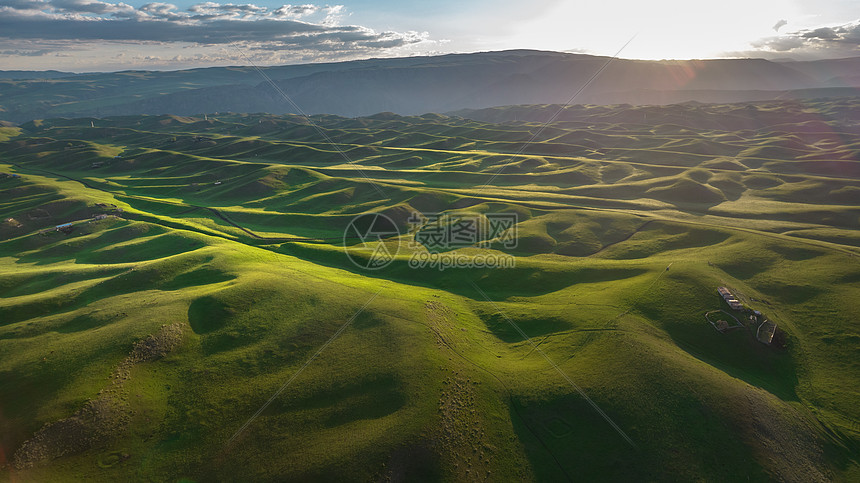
[138, 344]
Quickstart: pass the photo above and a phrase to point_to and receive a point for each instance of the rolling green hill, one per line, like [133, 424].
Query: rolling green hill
[141, 344]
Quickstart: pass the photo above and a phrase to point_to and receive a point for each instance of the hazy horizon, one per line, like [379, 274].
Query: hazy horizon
[435, 54]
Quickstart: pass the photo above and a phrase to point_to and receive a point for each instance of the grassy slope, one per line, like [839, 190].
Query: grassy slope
[429, 381]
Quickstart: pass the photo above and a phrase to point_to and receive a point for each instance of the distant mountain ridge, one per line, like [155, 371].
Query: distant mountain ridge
[417, 85]
[34, 74]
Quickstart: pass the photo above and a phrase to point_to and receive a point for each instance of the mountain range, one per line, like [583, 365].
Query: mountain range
[417, 85]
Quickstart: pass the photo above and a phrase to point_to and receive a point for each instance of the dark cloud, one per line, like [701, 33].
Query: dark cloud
[824, 33]
[226, 7]
[849, 34]
[206, 23]
[23, 4]
[210, 32]
[838, 41]
[295, 11]
[90, 6]
[843, 34]
[27, 53]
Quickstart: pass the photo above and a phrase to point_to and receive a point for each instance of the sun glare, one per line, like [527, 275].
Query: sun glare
[664, 29]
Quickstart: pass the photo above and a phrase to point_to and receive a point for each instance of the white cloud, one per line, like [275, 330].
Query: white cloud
[305, 29]
[166, 11]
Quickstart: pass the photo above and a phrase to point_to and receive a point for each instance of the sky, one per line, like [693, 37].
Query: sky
[97, 35]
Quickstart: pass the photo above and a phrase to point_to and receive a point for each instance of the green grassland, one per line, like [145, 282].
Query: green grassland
[230, 227]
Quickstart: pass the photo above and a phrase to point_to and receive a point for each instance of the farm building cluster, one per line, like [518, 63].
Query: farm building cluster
[730, 299]
[70, 226]
[766, 329]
